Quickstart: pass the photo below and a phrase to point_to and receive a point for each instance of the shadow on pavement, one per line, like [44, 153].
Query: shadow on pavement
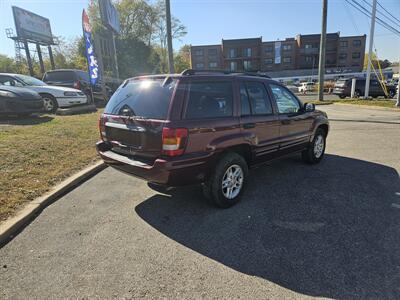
[27, 120]
[326, 230]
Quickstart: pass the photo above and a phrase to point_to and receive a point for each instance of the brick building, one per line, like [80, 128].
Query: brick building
[281, 57]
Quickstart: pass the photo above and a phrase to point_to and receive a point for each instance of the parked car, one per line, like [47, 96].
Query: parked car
[19, 101]
[53, 96]
[293, 88]
[343, 88]
[77, 79]
[206, 128]
[306, 87]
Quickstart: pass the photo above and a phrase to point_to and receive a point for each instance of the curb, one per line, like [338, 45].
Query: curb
[394, 108]
[11, 227]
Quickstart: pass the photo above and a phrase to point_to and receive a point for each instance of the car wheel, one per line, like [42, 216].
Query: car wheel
[342, 97]
[225, 186]
[357, 94]
[316, 150]
[392, 94]
[49, 103]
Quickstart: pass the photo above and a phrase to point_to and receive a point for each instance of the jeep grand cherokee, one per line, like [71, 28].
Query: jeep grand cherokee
[207, 128]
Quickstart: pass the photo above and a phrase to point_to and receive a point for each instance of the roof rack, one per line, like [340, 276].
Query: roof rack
[189, 72]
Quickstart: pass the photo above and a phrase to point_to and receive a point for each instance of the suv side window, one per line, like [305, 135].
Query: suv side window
[209, 99]
[286, 102]
[257, 99]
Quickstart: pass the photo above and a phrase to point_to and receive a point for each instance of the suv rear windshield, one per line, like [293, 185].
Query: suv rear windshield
[145, 98]
[60, 76]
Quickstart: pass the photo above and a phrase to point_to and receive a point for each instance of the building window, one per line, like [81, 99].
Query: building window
[287, 47]
[268, 61]
[247, 52]
[199, 66]
[343, 44]
[232, 52]
[198, 52]
[356, 43]
[212, 51]
[247, 64]
[355, 55]
[287, 60]
[213, 64]
[269, 49]
[342, 56]
[308, 46]
[308, 58]
[233, 66]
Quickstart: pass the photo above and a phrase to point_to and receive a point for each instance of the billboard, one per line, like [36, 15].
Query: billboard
[31, 26]
[109, 15]
[278, 52]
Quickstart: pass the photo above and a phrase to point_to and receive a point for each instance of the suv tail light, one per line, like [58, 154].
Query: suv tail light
[102, 127]
[77, 85]
[174, 141]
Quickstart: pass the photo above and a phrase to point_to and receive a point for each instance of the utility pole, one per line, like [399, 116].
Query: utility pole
[371, 42]
[322, 49]
[169, 38]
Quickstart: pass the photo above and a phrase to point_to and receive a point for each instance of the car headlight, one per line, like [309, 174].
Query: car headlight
[70, 94]
[7, 94]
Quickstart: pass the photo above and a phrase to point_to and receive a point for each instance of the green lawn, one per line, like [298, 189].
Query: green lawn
[38, 153]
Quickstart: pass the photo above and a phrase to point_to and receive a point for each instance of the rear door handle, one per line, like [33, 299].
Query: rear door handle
[249, 125]
[286, 122]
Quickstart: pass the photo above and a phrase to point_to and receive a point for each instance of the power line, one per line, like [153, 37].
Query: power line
[383, 14]
[387, 11]
[368, 14]
[364, 9]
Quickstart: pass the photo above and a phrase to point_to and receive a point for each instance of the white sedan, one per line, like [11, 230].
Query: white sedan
[53, 96]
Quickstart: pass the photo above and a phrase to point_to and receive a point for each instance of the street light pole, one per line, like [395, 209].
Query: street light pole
[371, 42]
[169, 38]
[322, 48]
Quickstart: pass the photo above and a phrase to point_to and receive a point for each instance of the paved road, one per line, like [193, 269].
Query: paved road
[330, 230]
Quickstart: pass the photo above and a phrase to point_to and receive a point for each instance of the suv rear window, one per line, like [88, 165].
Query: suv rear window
[209, 100]
[59, 76]
[147, 98]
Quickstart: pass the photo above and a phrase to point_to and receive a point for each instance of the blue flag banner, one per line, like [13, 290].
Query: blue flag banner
[90, 55]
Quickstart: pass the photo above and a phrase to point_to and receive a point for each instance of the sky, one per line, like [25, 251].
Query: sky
[209, 21]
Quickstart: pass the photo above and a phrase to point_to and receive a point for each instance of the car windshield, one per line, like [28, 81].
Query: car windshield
[31, 81]
[145, 98]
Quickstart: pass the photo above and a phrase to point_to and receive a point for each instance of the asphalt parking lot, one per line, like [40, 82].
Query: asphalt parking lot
[329, 230]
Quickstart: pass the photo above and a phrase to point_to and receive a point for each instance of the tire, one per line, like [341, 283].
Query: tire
[50, 104]
[342, 97]
[316, 150]
[357, 94]
[233, 166]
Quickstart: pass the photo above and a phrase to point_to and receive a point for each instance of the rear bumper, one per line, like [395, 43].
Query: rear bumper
[184, 170]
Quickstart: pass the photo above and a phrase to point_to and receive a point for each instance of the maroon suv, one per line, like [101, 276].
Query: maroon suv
[206, 128]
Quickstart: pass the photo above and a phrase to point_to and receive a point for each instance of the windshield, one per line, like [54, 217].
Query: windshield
[28, 80]
[59, 76]
[145, 98]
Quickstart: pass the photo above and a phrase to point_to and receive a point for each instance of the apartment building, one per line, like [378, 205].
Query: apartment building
[282, 56]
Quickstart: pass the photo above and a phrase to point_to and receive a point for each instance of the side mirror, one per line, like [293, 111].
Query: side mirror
[309, 107]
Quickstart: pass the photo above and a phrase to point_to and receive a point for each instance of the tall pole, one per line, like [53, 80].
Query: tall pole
[116, 71]
[169, 38]
[371, 42]
[28, 58]
[322, 49]
[39, 52]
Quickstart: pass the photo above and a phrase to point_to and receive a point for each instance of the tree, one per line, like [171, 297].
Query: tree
[182, 59]
[382, 63]
[160, 33]
[7, 64]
